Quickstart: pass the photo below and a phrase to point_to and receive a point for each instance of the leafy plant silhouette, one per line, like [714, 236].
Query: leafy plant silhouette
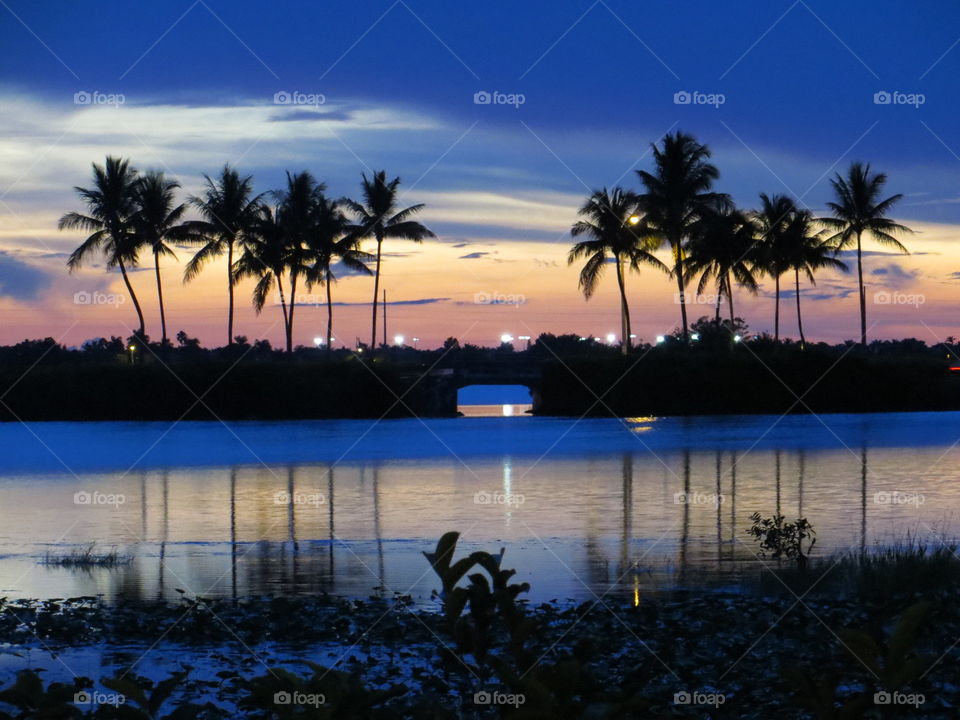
[780, 539]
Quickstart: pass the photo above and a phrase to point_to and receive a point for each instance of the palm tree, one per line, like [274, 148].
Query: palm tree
[806, 250]
[771, 220]
[677, 196]
[329, 243]
[614, 229]
[377, 217]
[264, 257]
[110, 205]
[231, 211]
[723, 247]
[156, 220]
[296, 214]
[858, 210]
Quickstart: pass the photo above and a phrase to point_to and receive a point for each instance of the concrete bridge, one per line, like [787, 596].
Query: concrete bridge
[436, 392]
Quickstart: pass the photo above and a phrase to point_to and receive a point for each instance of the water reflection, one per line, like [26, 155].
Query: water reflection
[634, 521]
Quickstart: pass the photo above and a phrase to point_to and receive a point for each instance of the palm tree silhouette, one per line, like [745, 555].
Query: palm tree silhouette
[110, 205]
[677, 195]
[156, 220]
[806, 251]
[722, 247]
[329, 243]
[265, 257]
[612, 226]
[858, 210]
[771, 220]
[377, 217]
[297, 216]
[230, 211]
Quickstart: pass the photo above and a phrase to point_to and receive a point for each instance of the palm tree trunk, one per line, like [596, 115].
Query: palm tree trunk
[329, 314]
[863, 296]
[716, 314]
[163, 316]
[730, 301]
[283, 301]
[776, 312]
[624, 311]
[133, 296]
[230, 292]
[678, 271]
[803, 340]
[293, 305]
[376, 292]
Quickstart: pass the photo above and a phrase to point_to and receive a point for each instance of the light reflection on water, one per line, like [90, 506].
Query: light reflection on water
[573, 525]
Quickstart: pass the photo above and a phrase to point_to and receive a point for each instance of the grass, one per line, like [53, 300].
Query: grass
[86, 557]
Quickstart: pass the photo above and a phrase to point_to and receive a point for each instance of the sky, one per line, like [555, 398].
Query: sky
[500, 117]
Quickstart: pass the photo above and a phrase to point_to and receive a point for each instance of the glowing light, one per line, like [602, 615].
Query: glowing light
[737, 338]
[633, 219]
[398, 339]
[523, 337]
[318, 341]
[508, 410]
[506, 338]
[611, 338]
[695, 336]
[132, 348]
[661, 339]
[636, 591]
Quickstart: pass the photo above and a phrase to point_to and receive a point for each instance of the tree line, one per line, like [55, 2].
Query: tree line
[282, 238]
[713, 242]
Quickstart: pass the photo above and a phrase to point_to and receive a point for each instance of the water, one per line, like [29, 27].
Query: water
[583, 507]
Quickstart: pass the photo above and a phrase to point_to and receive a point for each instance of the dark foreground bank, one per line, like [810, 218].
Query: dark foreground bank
[868, 637]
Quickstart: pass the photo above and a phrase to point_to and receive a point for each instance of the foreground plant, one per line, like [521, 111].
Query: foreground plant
[779, 539]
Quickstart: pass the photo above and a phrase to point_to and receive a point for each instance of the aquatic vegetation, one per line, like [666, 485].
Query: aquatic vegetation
[86, 557]
[780, 539]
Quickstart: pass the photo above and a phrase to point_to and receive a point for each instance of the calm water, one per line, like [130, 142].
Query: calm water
[582, 507]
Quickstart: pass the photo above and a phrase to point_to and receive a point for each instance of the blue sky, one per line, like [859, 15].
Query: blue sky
[398, 79]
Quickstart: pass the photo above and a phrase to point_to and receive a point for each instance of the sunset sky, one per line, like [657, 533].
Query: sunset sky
[501, 182]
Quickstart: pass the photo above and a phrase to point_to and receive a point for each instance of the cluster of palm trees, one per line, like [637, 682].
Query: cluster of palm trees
[291, 237]
[712, 241]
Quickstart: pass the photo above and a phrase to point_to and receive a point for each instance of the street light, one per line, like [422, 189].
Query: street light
[525, 337]
[318, 341]
[398, 339]
[737, 338]
[611, 338]
[506, 338]
[695, 336]
[415, 341]
[633, 219]
[660, 339]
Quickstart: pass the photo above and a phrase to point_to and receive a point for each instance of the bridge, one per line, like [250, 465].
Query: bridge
[436, 391]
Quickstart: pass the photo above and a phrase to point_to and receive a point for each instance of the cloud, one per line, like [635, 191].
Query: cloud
[312, 116]
[20, 280]
[418, 301]
[473, 256]
[894, 276]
